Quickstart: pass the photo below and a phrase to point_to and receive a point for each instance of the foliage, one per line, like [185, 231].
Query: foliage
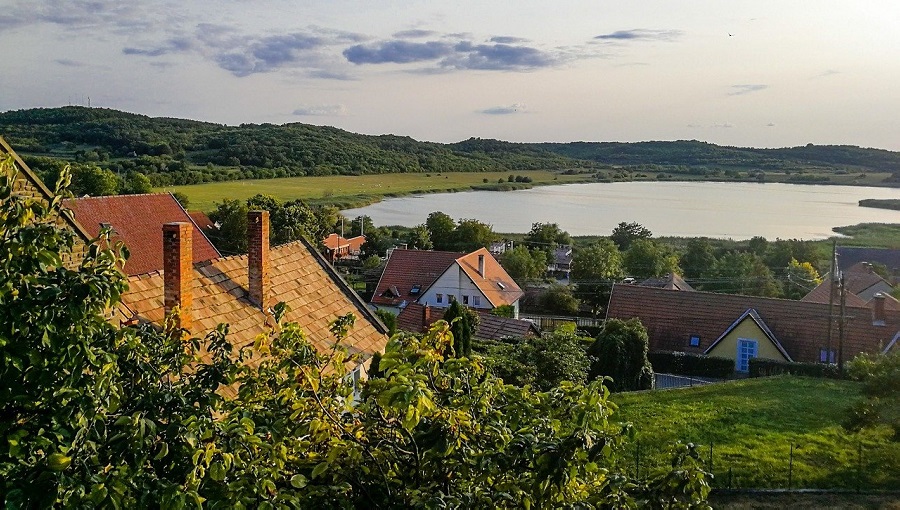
[626, 233]
[880, 375]
[182, 199]
[594, 269]
[645, 258]
[545, 237]
[441, 227]
[541, 362]
[503, 311]
[389, 319]
[761, 367]
[523, 264]
[620, 352]
[696, 365]
[419, 238]
[93, 181]
[559, 299]
[743, 273]
[801, 277]
[100, 416]
[698, 259]
[462, 327]
[470, 235]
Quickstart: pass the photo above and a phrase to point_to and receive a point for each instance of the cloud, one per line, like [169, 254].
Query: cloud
[505, 110]
[740, 90]
[498, 57]
[641, 34]
[79, 15]
[502, 39]
[173, 45]
[414, 34]
[325, 110]
[69, 63]
[397, 52]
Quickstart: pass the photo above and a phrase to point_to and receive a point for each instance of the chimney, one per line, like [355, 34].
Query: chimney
[426, 316]
[481, 265]
[178, 271]
[258, 258]
[878, 310]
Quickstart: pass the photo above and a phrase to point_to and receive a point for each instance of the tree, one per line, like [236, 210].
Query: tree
[462, 326]
[698, 259]
[182, 199]
[620, 352]
[137, 183]
[470, 235]
[546, 237]
[559, 299]
[542, 362]
[801, 278]
[594, 269]
[419, 238]
[441, 227]
[743, 273]
[93, 181]
[231, 216]
[648, 259]
[389, 320]
[522, 264]
[625, 233]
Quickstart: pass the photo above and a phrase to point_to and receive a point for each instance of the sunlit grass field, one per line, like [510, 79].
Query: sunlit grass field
[347, 190]
[752, 424]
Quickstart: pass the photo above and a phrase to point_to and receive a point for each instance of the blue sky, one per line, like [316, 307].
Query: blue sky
[749, 73]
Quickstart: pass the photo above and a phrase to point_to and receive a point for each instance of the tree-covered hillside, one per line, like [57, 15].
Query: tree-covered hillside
[174, 151]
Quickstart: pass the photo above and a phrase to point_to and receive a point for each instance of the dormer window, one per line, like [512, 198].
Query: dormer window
[502, 287]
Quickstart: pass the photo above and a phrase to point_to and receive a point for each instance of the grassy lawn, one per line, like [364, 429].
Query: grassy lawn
[875, 235]
[348, 191]
[752, 424]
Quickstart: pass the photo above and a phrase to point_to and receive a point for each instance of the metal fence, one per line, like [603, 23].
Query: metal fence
[551, 322]
[668, 381]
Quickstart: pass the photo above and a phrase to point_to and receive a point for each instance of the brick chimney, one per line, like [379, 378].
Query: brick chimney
[878, 310]
[426, 317]
[481, 265]
[258, 258]
[178, 271]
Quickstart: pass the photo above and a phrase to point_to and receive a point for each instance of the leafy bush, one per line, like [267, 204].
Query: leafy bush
[880, 375]
[620, 352]
[760, 367]
[697, 365]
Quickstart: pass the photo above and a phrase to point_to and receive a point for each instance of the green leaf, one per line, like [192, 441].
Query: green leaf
[319, 469]
[299, 481]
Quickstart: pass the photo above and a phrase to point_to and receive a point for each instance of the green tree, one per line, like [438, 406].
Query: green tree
[698, 259]
[441, 227]
[470, 235]
[389, 320]
[743, 273]
[594, 269]
[522, 265]
[542, 362]
[625, 233]
[546, 237]
[620, 352]
[880, 403]
[645, 258]
[419, 238]
[559, 299]
[182, 199]
[137, 183]
[800, 279]
[462, 327]
[93, 181]
[231, 236]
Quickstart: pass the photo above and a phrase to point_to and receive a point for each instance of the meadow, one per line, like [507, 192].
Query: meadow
[752, 424]
[354, 191]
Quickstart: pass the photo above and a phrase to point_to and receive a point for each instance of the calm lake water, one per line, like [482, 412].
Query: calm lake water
[711, 209]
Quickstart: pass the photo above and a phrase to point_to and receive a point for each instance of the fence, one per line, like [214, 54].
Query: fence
[551, 322]
[795, 466]
[668, 381]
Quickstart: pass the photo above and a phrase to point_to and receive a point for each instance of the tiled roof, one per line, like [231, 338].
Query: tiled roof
[822, 293]
[137, 220]
[201, 220]
[751, 314]
[671, 281]
[672, 317]
[490, 327]
[496, 284]
[857, 279]
[299, 277]
[406, 268]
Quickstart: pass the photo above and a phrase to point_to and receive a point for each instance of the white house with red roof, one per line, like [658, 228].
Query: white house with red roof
[437, 278]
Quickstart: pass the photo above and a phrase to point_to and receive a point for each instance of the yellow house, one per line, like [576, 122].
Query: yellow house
[748, 337]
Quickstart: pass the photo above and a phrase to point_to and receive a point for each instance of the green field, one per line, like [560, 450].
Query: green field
[353, 191]
[752, 424]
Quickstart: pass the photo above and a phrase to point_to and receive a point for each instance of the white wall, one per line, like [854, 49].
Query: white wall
[454, 282]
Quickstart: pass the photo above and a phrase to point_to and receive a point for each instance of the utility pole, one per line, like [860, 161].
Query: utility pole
[833, 278]
[841, 328]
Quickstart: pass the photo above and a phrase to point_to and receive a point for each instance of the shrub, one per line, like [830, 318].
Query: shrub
[760, 367]
[698, 365]
[620, 352]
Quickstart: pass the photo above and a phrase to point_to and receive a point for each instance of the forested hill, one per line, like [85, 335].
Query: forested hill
[175, 151]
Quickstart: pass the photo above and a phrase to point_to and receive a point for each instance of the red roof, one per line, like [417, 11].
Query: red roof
[497, 286]
[408, 268]
[672, 317]
[201, 220]
[137, 220]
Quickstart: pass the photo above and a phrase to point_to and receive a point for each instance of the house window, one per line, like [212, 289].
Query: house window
[465, 300]
[826, 356]
[439, 298]
[695, 340]
[415, 290]
[476, 300]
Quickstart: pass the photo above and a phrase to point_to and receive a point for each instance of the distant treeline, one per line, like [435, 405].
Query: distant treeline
[174, 151]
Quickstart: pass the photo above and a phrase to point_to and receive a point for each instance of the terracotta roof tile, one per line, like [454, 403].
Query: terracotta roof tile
[406, 268]
[137, 220]
[496, 284]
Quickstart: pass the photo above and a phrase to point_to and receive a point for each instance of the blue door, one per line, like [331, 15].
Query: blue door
[746, 349]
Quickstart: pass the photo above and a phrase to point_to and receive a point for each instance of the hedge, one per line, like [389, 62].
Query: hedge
[767, 367]
[697, 365]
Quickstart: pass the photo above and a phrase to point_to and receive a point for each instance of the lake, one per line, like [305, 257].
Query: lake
[689, 209]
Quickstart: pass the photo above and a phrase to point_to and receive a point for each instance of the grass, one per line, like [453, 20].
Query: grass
[874, 235]
[355, 191]
[752, 424]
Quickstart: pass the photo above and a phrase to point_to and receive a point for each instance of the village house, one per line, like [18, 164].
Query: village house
[861, 285]
[338, 247]
[436, 278]
[744, 327]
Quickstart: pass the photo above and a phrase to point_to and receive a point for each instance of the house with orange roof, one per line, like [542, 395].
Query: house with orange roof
[437, 278]
[743, 327]
[339, 247]
[137, 220]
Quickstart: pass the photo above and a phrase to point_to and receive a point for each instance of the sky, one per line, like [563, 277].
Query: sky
[754, 73]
